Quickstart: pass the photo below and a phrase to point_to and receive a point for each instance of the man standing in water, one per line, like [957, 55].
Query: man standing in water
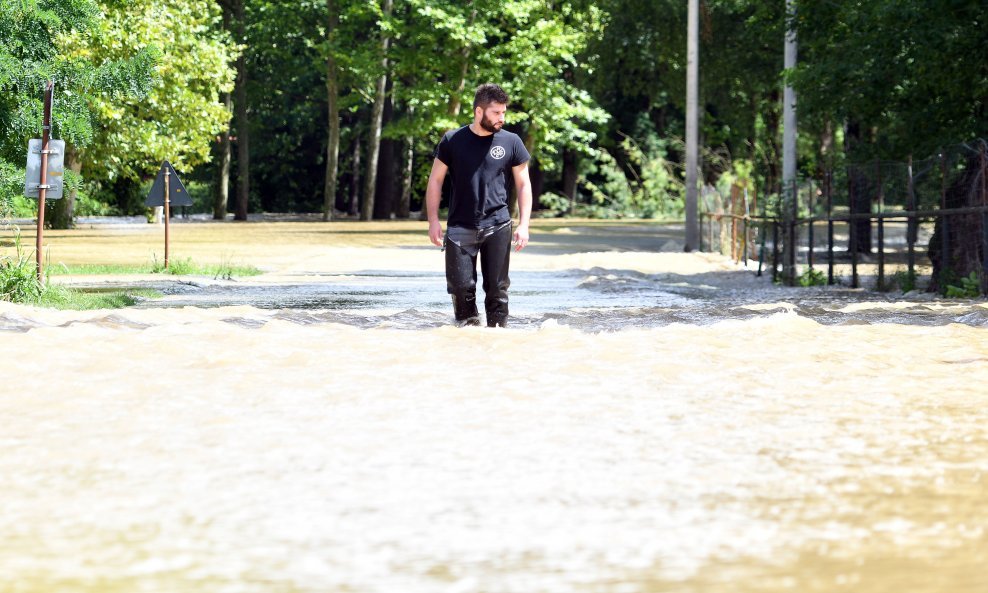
[478, 158]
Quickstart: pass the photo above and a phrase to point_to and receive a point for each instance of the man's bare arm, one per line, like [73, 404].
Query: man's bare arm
[523, 187]
[433, 195]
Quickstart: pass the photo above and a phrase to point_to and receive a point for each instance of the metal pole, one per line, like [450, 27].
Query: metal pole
[852, 234]
[744, 238]
[43, 185]
[789, 149]
[881, 227]
[809, 252]
[830, 225]
[692, 122]
[944, 223]
[734, 223]
[793, 234]
[775, 250]
[913, 224]
[167, 211]
[984, 220]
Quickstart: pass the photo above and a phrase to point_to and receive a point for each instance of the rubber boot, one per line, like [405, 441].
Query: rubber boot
[495, 255]
[465, 309]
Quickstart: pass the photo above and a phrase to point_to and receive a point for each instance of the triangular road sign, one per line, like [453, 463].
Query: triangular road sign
[177, 194]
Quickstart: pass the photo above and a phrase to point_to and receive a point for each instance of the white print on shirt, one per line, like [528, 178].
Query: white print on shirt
[497, 152]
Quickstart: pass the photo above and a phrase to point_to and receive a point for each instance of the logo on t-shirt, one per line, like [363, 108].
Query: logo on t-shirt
[497, 152]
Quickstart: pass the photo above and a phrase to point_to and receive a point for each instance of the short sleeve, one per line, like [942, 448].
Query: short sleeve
[520, 153]
[442, 150]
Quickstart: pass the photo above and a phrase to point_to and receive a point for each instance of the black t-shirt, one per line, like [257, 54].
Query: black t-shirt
[480, 170]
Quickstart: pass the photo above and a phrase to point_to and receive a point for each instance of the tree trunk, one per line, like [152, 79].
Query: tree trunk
[60, 214]
[332, 94]
[963, 234]
[404, 207]
[860, 188]
[384, 195]
[221, 184]
[570, 174]
[456, 97]
[355, 179]
[377, 114]
[243, 127]
[772, 125]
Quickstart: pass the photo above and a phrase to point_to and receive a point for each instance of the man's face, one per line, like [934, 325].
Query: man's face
[492, 117]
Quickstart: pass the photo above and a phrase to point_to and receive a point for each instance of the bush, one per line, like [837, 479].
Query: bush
[18, 277]
[970, 288]
[812, 277]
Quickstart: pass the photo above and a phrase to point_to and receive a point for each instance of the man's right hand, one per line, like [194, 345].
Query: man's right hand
[436, 233]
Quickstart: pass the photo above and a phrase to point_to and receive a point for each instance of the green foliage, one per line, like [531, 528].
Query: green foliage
[225, 270]
[911, 71]
[19, 277]
[904, 280]
[31, 53]
[969, 288]
[174, 115]
[11, 188]
[60, 297]
[656, 190]
[812, 277]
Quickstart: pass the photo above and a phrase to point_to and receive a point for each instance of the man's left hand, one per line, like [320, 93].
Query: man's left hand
[521, 237]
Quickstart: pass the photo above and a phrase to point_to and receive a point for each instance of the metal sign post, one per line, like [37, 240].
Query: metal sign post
[161, 195]
[167, 214]
[43, 185]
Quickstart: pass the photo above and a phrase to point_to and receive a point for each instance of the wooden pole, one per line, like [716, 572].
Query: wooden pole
[43, 182]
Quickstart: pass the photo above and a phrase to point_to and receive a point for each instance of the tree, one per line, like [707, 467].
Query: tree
[377, 113]
[30, 55]
[180, 117]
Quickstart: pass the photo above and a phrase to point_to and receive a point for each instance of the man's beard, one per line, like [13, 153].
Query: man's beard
[489, 125]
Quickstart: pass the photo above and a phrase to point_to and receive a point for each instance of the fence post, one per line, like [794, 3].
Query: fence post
[809, 206]
[828, 188]
[912, 227]
[984, 220]
[944, 224]
[881, 227]
[775, 250]
[700, 247]
[793, 235]
[853, 234]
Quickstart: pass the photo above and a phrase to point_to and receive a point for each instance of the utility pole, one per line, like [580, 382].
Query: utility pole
[790, 203]
[692, 122]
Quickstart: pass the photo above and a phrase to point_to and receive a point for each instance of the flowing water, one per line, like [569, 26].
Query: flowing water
[640, 428]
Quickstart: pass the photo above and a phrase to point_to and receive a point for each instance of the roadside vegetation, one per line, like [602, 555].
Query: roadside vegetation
[19, 284]
[178, 267]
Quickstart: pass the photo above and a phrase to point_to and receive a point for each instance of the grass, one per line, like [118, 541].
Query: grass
[19, 284]
[60, 297]
[180, 267]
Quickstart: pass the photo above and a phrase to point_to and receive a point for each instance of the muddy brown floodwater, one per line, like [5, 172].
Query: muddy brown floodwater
[652, 421]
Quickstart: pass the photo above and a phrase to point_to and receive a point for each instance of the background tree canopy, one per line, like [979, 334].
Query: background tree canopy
[333, 87]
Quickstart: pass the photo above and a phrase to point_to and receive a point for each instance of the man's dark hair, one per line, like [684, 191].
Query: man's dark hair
[489, 93]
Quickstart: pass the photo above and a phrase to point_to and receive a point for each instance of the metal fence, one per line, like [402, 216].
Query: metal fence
[877, 214]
